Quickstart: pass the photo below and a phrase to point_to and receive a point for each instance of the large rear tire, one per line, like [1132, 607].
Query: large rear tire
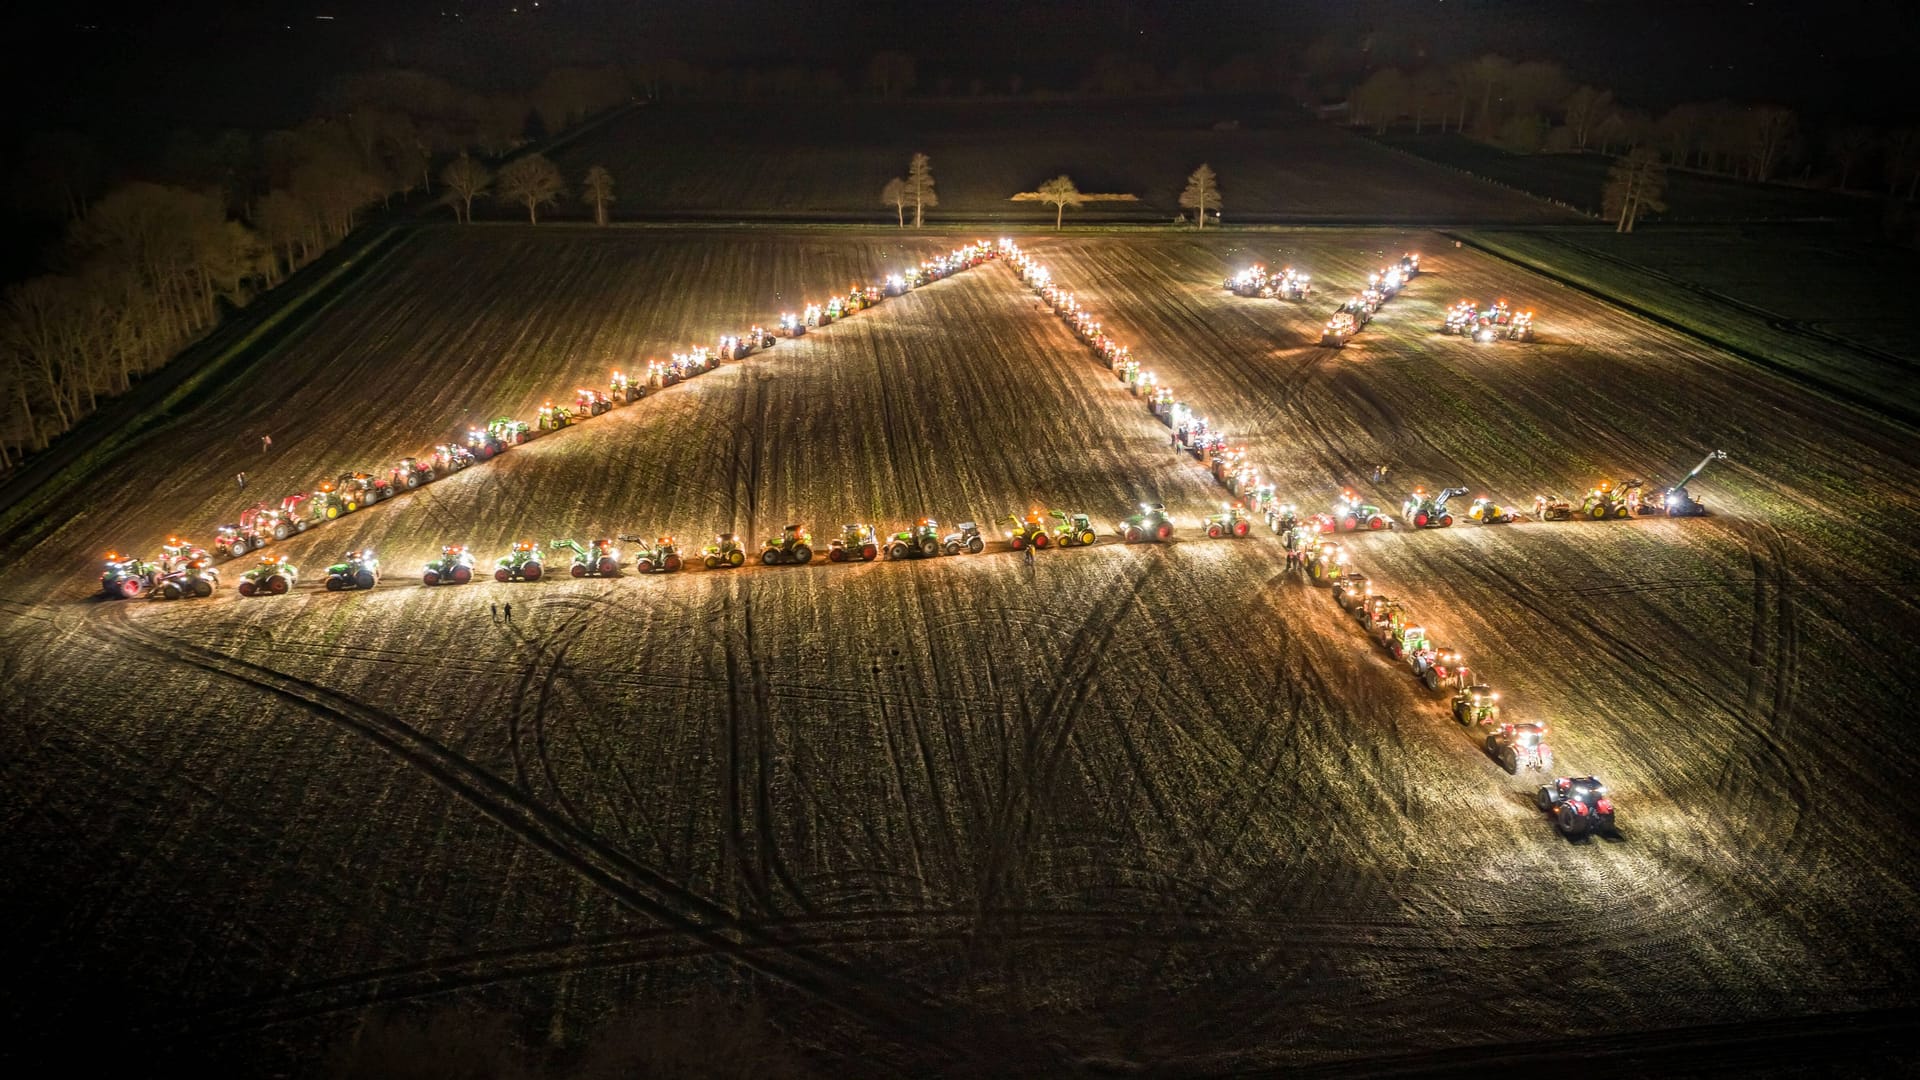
[1163, 532]
[282, 531]
[1041, 541]
[1509, 760]
[672, 563]
[578, 570]
[130, 587]
[975, 545]
[203, 587]
[1349, 523]
[713, 562]
[802, 554]
[278, 584]
[1543, 797]
[1133, 535]
[335, 583]
[503, 574]
[1086, 538]
[1572, 824]
[644, 566]
[1599, 512]
[364, 579]
[1214, 532]
[929, 547]
[1019, 541]
[897, 551]
[836, 554]
[430, 578]
[532, 571]
[462, 575]
[769, 556]
[952, 547]
[869, 553]
[245, 588]
[1420, 520]
[1240, 529]
[736, 558]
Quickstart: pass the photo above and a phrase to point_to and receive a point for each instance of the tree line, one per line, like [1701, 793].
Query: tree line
[145, 265]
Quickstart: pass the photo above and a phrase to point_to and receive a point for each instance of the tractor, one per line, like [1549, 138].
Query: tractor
[521, 563]
[622, 390]
[229, 542]
[1477, 704]
[918, 541]
[291, 519]
[1326, 563]
[1404, 640]
[1610, 500]
[814, 316]
[359, 570]
[1352, 591]
[451, 458]
[1441, 669]
[251, 534]
[1462, 318]
[1350, 514]
[326, 502]
[1282, 517]
[596, 558]
[725, 551]
[1579, 805]
[591, 403]
[270, 577]
[362, 489]
[1073, 530]
[1428, 511]
[1338, 329]
[854, 542]
[197, 577]
[794, 546]
[1291, 284]
[1675, 501]
[127, 577]
[1521, 327]
[1150, 524]
[1232, 520]
[1519, 746]
[1487, 512]
[552, 417]
[967, 539]
[1410, 265]
[658, 556]
[1374, 614]
[411, 473]
[453, 567]
[1031, 531]
[1552, 508]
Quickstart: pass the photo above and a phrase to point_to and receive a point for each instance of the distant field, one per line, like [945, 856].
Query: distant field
[716, 161]
[1577, 179]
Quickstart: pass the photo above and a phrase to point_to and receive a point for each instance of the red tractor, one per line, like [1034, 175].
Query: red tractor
[591, 403]
[1579, 805]
[1519, 746]
[411, 473]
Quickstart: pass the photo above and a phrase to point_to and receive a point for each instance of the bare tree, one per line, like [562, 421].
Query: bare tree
[1381, 99]
[464, 179]
[896, 195]
[1202, 193]
[920, 182]
[1771, 134]
[1483, 77]
[1585, 109]
[890, 74]
[1060, 193]
[1848, 147]
[285, 223]
[598, 192]
[1428, 96]
[1635, 184]
[531, 181]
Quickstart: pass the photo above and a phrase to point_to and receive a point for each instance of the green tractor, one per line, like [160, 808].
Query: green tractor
[273, 576]
[1610, 500]
[794, 547]
[1402, 637]
[1426, 510]
[659, 556]
[522, 563]
[328, 503]
[1230, 521]
[921, 540]
[1477, 704]
[360, 570]
[725, 551]
[854, 542]
[197, 577]
[1073, 530]
[501, 434]
[553, 417]
[453, 567]
[598, 558]
[127, 577]
[1326, 563]
[624, 390]
[1150, 525]
[1031, 531]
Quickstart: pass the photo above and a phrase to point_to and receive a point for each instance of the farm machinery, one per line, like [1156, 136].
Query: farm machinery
[967, 539]
[1349, 514]
[450, 458]
[552, 418]
[1610, 500]
[411, 473]
[1487, 512]
[127, 577]
[1290, 284]
[1072, 530]
[1375, 614]
[1519, 746]
[921, 540]
[453, 567]
[1232, 520]
[252, 532]
[1552, 508]
[1150, 524]
[500, 435]
[1675, 501]
[270, 577]
[856, 541]
[1440, 669]
[326, 502]
[194, 576]
[521, 563]
[793, 547]
[1031, 531]
[1339, 329]
[1326, 563]
[362, 489]
[359, 570]
[291, 519]
[1410, 265]
[661, 555]
[725, 551]
[1402, 637]
[1352, 591]
[596, 558]
[591, 403]
[622, 390]
[1424, 510]
[1462, 318]
[1477, 704]
[1579, 805]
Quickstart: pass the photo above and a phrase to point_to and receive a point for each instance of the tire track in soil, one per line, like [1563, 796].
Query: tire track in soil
[745, 871]
[873, 999]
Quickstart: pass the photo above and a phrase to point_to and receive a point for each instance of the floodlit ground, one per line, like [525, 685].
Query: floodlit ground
[1151, 804]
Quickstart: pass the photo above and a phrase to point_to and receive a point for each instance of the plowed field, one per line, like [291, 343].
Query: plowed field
[1156, 804]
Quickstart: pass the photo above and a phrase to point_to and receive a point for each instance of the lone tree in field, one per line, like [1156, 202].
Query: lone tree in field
[920, 182]
[531, 181]
[1634, 184]
[598, 192]
[1202, 193]
[896, 195]
[1060, 193]
[464, 178]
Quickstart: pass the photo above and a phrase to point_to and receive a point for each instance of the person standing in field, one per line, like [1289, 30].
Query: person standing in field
[241, 480]
[266, 443]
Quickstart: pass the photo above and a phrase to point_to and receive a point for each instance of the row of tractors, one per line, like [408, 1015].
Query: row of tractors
[1497, 323]
[1382, 285]
[293, 514]
[1257, 281]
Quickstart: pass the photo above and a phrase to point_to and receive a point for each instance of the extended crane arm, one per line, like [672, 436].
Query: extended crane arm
[1712, 456]
[1446, 494]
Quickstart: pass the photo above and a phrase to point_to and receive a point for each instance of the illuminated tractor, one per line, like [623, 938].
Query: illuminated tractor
[921, 540]
[269, 577]
[520, 563]
[595, 558]
[552, 417]
[835, 308]
[1402, 638]
[196, 578]
[362, 489]
[411, 473]
[1351, 515]
[1579, 805]
[1462, 318]
[485, 443]
[177, 553]
[1374, 614]
[1230, 521]
[509, 431]
[1410, 265]
[1070, 530]
[1351, 591]
[792, 325]
[1339, 330]
[252, 532]
[1161, 404]
[1282, 517]
[856, 299]
[1441, 669]
[732, 347]
[724, 552]
[1292, 285]
[1519, 746]
[1031, 531]
[622, 390]
[967, 538]
[1326, 563]
[1552, 508]
[326, 502]
[1521, 328]
[1487, 512]
[895, 285]
[762, 337]
[1676, 501]
[291, 519]
[453, 567]
[660, 555]
[1150, 525]
[126, 577]
[1425, 510]
[1227, 462]
[1248, 282]
[1372, 297]
[793, 547]
[854, 542]
[451, 458]
[359, 570]
[1477, 704]
[230, 543]
[1610, 500]
[814, 316]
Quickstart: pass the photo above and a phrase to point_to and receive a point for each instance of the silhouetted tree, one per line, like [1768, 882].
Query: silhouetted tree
[464, 179]
[1585, 109]
[1202, 193]
[1635, 185]
[1060, 193]
[597, 192]
[897, 195]
[1771, 135]
[920, 182]
[1848, 147]
[531, 181]
[1484, 77]
[1381, 99]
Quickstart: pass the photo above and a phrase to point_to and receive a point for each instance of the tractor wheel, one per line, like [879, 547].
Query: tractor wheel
[1214, 532]
[1420, 520]
[462, 575]
[299, 527]
[1086, 538]
[352, 505]
[1376, 523]
[1543, 798]
[608, 568]
[802, 554]
[736, 558]
[1446, 520]
[531, 571]
[170, 590]
[129, 587]
[485, 453]
[1240, 528]
[713, 562]
[335, 582]
[836, 555]
[363, 579]
[1019, 541]
[869, 553]
[1163, 532]
[1431, 678]
[578, 570]
[332, 512]
[1460, 713]
[412, 481]
[897, 551]
[1621, 512]
[430, 578]
[953, 547]
[929, 547]
[1492, 749]
[1599, 512]
[1572, 824]
[202, 587]
[975, 545]
[1509, 760]
[1349, 523]
[1133, 535]
[245, 588]
[282, 531]
[503, 574]
[278, 584]
[644, 566]
[769, 556]
[1041, 541]
[672, 564]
